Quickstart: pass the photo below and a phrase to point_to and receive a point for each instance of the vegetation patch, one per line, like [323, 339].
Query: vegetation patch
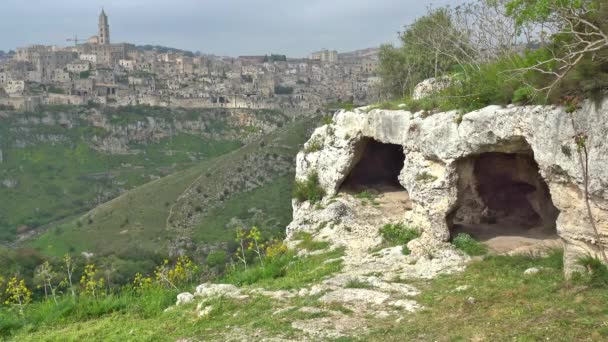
[425, 177]
[308, 243]
[358, 284]
[314, 145]
[309, 190]
[470, 246]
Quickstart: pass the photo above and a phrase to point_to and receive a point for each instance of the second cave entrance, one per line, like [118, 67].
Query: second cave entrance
[504, 202]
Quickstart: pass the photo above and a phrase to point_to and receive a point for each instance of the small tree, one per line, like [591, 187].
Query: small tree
[141, 283]
[92, 284]
[45, 276]
[580, 32]
[241, 236]
[68, 264]
[161, 273]
[17, 293]
[255, 243]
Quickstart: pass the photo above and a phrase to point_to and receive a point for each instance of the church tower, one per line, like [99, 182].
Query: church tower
[104, 29]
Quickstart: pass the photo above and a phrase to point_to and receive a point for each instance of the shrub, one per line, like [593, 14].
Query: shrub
[398, 234]
[309, 190]
[314, 145]
[524, 95]
[597, 271]
[217, 258]
[327, 120]
[470, 246]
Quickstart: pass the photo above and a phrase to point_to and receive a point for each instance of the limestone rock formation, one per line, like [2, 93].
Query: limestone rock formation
[510, 176]
[429, 87]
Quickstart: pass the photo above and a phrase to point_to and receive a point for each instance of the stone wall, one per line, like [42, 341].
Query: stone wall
[435, 145]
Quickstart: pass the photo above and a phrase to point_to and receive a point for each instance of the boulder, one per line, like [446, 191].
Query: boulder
[217, 290]
[184, 298]
[430, 86]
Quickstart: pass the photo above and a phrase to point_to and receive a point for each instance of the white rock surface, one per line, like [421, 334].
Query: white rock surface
[184, 298]
[217, 290]
[355, 297]
[532, 271]
[435, 144]
[429, 87]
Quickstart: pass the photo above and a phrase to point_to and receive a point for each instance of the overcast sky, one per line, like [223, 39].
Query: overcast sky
[221, 27]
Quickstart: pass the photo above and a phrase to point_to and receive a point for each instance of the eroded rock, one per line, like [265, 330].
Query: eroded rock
[452, 185]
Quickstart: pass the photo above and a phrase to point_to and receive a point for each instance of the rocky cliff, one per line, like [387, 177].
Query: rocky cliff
[510, 175]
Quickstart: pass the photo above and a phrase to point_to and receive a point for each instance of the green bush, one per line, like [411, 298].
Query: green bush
[272, 269]
[314, 146]
[398, 234]
[309, 190]
[470, 246]
[524, 95]
[217, 258]
[597, 271]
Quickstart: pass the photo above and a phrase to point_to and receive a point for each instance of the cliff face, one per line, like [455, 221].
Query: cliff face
[494, 172]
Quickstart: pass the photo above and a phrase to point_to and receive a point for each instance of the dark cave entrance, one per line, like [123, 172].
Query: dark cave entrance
[504, 202]
[378, 167]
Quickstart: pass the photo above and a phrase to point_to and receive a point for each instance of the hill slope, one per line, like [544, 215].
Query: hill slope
[193, 205]
[64, 160]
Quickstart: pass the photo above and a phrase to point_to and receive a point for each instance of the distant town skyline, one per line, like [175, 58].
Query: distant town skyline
[231, 28]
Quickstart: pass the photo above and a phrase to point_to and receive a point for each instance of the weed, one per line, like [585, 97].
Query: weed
[314, 145]
[309, 190]
[470, 246]
[597, 271]
[425, 177]
[398, 234]
[358, 284]
[308, 243]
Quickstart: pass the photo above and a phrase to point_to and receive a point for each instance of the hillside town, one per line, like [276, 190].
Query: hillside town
[120, 74]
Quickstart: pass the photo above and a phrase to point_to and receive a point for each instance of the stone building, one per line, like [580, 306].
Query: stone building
[100, 47]
[325, 56]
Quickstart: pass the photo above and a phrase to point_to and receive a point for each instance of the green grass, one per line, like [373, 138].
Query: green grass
[398, 234]
[308, 243]
[86, 317]
[309, 189]
[508, 306]
[470, 246]
[287, 271]
[273, 200]
[367, 197]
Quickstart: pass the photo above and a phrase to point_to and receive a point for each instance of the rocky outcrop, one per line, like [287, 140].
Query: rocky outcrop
[446, 156]
[430, 86]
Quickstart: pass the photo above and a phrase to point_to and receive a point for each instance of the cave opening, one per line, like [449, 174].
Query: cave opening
[504, 202]
[377, 168]
[376, 171]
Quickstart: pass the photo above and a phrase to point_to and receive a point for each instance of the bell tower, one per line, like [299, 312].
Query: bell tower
[104, 29]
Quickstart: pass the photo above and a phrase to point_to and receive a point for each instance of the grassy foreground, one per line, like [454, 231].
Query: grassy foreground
[497, 303]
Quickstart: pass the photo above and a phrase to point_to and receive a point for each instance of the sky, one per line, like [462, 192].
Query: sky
[221, 27]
